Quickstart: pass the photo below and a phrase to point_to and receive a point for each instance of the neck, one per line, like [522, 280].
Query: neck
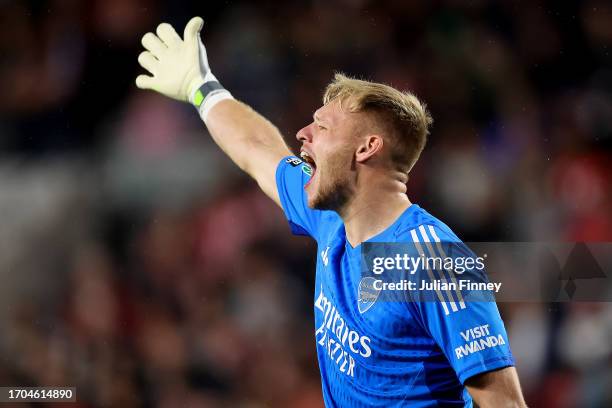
[374, 207]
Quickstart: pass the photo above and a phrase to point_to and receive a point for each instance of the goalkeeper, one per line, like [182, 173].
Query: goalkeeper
[349, 187]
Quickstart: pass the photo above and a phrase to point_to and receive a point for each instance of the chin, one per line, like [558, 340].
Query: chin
[311, 200]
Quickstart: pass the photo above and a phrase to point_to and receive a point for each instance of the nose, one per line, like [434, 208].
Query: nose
[304, 134]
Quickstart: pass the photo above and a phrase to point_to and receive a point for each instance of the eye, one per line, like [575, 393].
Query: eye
[321, 127]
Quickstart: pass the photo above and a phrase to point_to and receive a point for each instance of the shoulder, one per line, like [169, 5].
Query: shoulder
[293, 165]
[419, 225]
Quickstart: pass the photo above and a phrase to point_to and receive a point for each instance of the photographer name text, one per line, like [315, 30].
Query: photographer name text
[437, 285]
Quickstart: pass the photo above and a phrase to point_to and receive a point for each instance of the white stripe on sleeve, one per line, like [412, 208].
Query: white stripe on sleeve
[415, 238]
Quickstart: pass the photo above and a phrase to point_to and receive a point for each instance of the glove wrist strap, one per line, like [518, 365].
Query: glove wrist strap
[208, 95]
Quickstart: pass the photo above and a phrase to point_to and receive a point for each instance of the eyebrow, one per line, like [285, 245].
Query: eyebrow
[318, 119]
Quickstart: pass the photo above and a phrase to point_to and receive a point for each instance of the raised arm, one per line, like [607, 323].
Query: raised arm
[179, 69]
[250, 140]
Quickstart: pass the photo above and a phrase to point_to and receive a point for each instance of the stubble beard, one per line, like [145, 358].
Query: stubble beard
[335, 194]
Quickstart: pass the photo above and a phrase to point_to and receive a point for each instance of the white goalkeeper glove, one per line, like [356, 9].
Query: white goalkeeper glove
[179, 67]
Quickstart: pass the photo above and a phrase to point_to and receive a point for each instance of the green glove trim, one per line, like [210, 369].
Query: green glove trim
[205, 90]
[198, 98]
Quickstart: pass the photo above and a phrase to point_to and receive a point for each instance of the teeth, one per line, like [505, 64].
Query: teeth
[306, 157]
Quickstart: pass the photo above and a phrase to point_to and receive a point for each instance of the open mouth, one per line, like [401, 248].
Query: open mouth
[310, 161]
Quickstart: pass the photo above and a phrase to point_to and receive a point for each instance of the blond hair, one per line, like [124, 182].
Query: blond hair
[405, 118]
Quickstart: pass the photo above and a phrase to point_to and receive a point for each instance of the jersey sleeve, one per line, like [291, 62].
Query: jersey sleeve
[465, 323]
[292, 174]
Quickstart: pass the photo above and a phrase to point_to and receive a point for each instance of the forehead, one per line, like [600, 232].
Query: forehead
[332, 113]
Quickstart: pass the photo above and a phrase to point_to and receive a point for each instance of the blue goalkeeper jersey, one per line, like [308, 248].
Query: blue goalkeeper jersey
[377, 353]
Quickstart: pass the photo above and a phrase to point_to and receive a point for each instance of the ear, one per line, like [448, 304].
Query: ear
[370, 145]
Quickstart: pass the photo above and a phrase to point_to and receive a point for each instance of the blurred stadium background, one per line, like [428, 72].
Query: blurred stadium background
[140, 266]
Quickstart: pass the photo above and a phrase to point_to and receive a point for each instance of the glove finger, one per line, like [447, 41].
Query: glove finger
[192, 30]
[167, 34]
[144, 82]
[147, 61]
[153, 44]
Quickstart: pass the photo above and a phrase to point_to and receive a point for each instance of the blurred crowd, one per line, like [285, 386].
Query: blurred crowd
[140, 266]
